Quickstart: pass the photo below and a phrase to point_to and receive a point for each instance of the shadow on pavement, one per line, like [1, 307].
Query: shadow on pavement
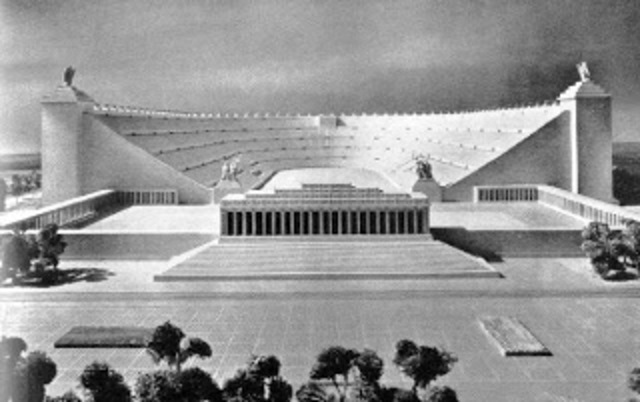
[65, 277]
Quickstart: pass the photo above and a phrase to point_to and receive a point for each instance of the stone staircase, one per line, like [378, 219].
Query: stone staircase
[329, 260]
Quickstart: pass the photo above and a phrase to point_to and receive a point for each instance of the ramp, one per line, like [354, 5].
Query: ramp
[327, 261]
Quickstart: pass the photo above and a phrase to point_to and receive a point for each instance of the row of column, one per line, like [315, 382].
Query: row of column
[303, 223]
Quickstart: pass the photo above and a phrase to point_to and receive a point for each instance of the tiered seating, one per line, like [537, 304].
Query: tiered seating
[455, 144]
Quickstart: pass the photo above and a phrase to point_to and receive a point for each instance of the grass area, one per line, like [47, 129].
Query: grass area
[105, 337]
[512, 337]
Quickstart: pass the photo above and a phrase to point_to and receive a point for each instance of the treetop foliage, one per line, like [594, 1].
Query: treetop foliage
[423, 364]
[333, 361]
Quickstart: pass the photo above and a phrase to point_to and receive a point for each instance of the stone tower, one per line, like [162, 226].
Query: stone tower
[591, 139]
[63, 121]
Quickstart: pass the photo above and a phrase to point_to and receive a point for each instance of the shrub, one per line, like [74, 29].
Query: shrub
[605, 248]
[104, 384]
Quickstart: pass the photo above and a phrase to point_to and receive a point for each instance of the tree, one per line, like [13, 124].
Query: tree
[442, 394]
[423, 364]
[68, 396]
[370, 368]
[394, 394]
[103, 384]
[631, 236]
[197, 385]
[11, 350]
[634, 380]
[190, 385]
[311, 392]
[50, 246]
[17, 255]
[158, 386]
[259, 381]
[605, 248]
[170, 344]
[31, 376]
[333, 362]
[243, 387]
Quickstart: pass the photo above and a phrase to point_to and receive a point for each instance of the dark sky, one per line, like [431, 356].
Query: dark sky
[314, 56]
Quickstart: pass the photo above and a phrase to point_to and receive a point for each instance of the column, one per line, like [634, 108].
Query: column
[283, 222]
[425, 220]
[358, 223]
[273, 223]
[292, 222]
[230, 223]
[348, 221]
[367, 223]
[339, 222]
[239, 223]
[415, 223]
[321, 223]
[386, 222]
[223, 222]
[254, 222]
[245, 228]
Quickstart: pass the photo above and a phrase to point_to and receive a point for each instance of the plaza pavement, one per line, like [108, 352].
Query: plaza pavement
[591, 327]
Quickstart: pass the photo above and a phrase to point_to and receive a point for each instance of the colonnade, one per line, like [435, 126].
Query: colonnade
[324, 222]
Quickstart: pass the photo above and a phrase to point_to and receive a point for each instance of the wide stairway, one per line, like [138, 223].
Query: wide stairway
[328, 260]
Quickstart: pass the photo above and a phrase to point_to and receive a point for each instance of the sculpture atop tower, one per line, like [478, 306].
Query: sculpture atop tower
[583, 70]
[69, 72]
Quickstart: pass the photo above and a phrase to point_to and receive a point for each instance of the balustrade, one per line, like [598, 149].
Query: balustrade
[577, 205]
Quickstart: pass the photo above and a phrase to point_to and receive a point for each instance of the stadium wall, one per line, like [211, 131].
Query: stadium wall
[541, 158]
[109, 161]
